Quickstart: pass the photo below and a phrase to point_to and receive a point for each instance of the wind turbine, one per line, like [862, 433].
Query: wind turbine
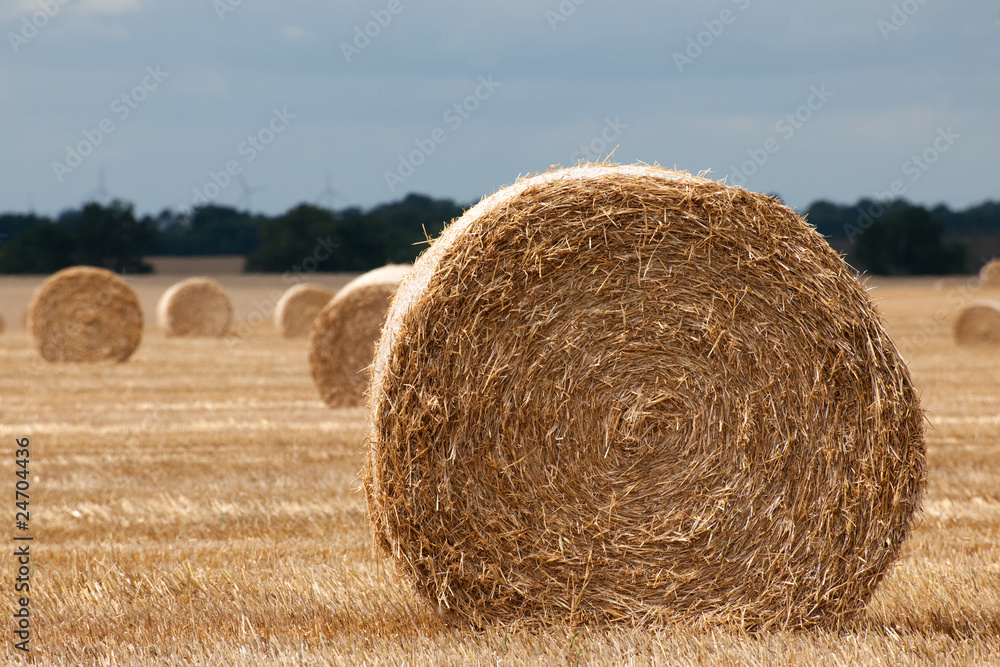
[327, 195]
[100, 194]
[246, 192]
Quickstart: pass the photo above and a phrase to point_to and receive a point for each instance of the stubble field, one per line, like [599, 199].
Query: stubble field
[200, 505]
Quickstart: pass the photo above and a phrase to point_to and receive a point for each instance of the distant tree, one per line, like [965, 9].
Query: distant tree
[44, 247]
[978, 227]
[982, 218]
[15, 223]
[111, 238]
[208, 230]
[892, 237]
[96, 235]
[313, 238]
[907, 241]
[410, 222]
[830, 220]
[365, 242]
[306, 238]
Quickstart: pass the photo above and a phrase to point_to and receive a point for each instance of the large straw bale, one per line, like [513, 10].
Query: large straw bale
[343, 336]
[628, 394]
[989, 274]
[297, 308]
[195, 307]
[978, 324]
[85, 314]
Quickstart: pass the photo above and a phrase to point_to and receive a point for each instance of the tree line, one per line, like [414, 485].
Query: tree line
[879, 237]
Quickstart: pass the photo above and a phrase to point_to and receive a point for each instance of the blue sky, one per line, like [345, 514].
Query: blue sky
[181, 100]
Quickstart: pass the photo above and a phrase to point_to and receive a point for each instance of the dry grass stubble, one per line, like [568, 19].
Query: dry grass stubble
[206, 511]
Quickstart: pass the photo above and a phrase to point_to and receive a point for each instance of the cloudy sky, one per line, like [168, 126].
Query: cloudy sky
[194, 100]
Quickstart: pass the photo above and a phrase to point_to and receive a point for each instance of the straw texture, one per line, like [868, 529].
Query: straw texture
[978, 324]
[297, 308]
[989, 275]
[195, 307]
[631, 395]
[3, 324]
[85, 314]
[342, 340]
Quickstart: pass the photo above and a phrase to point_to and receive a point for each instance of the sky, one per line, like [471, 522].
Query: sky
[266, 104]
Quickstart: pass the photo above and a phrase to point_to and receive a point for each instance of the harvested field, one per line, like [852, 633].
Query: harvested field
[201, 504]
[197, 266]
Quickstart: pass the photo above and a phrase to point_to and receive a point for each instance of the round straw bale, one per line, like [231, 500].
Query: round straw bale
[978, 324]
[628, 394]
[343, 336]
[297, 308]
[195, 307]
[85, 314]
[989, 275]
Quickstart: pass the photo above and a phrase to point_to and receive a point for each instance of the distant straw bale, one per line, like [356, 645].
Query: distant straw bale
[195, 307]
[85, 314]
[297, 308]
[343, 336]
[989, 275]
[631, 395]
[978, 324]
